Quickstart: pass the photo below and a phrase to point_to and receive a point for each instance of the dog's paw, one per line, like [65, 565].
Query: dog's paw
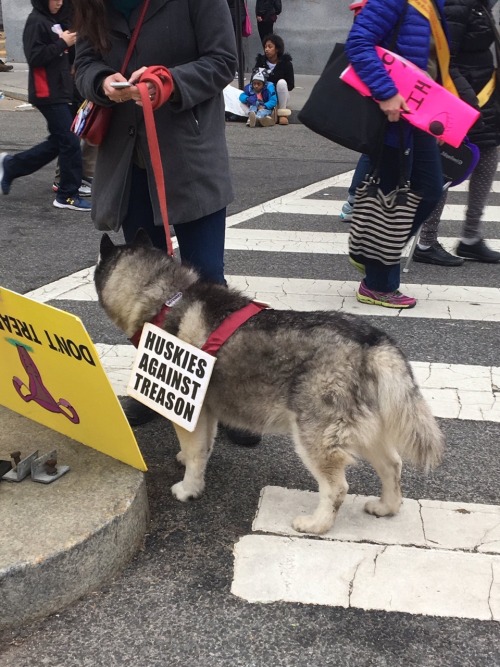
[311, 524]
[181, 458]
[379, 508]
[182, 493]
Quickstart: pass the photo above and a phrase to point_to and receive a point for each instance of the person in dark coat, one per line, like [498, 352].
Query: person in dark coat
[279, 68]
[46, 42]
[195, 40]
[470, 26]
[267, 11]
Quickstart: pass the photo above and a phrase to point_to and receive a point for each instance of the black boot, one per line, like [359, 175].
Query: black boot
[478, 251]
[241, 437]
[137, 413]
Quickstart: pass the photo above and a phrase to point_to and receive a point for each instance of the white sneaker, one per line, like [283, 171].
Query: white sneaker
[252, 119]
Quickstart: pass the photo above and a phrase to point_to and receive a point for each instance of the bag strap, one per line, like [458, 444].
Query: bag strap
[429, 9]
[135, 35]
[403, 180]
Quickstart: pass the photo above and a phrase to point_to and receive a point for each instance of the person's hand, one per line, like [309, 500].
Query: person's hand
[259, 19]
[116, 94]
[393, 107]
[68, 37]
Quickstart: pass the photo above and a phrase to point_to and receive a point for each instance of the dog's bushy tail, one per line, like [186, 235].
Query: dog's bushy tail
[408, 420]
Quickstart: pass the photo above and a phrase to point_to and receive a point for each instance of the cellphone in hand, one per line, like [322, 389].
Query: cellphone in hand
[120, 84]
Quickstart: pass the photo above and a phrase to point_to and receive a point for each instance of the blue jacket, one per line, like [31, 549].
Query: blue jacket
[269, 96]
[374, 26]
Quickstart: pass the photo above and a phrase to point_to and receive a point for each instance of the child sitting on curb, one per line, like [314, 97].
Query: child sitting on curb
[260, 97]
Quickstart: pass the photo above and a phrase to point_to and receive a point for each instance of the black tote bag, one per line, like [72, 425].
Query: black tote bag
[338, 112]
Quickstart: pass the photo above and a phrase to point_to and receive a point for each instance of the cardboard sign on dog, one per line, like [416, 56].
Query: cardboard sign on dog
[432, 108]
[170, 376]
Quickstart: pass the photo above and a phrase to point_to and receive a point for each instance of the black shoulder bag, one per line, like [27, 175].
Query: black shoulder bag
[338, 112]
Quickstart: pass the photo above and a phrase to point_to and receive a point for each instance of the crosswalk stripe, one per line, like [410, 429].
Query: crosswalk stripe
[429, 524]
[454, 391]
[332, 207]
[391, 578]
[434, 301]
[328, 243]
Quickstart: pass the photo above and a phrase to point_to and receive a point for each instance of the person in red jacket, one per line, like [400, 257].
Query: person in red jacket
[46, 41]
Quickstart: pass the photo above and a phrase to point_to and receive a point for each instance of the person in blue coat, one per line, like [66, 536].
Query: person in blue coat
[260, 97]
[374, 26]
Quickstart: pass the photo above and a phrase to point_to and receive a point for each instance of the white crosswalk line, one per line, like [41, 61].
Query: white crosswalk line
[367, 576]
[328, 243]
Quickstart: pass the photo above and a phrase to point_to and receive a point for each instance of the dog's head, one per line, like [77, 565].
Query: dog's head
[133, 280]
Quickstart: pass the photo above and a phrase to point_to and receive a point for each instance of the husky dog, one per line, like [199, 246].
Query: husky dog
[341, 388]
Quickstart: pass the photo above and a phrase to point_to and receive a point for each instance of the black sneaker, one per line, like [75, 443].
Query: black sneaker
[241, 437]
[436, 254]
[479, 252]
[136, 412]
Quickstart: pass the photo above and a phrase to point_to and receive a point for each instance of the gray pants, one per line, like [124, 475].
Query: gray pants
[479, 188]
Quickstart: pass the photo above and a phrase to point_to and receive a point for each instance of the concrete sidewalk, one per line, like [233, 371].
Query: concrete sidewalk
[15, 84]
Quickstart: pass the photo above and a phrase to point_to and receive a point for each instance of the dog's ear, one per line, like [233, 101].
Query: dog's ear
[106, 246]
[142, 239]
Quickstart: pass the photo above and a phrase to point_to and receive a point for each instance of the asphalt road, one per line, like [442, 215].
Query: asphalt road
[172, 605]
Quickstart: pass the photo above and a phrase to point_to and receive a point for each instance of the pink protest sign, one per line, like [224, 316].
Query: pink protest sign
[432, 108]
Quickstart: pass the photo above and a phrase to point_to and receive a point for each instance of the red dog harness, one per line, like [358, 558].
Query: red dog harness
[218, 337]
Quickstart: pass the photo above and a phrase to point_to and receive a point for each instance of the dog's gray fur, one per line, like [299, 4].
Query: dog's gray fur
[340, 387]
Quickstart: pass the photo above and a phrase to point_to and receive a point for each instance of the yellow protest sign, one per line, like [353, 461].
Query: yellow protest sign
[50, 372]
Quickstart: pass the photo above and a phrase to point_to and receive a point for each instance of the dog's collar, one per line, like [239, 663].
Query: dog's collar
[159, 318]
[218, 337]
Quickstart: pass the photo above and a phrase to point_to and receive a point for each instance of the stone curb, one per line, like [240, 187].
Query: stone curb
[62, 540]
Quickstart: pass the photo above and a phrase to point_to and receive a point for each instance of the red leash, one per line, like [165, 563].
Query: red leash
[162, 81]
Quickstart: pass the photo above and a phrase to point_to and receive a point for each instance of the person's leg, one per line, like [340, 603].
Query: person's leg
[28, 161]
[59, 118]
[89, 157]
[426, 178]
[283, 100]
[472, 245]
[265, 117]
[283, 94]
[265, 28]
[140, 211]
[428, 249]
[201, 244]
[428, 233]
[380, 277]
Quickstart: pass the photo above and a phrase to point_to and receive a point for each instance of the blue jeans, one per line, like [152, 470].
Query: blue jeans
[60, 142]
[426, 178]
[201, 242]
[259, 112]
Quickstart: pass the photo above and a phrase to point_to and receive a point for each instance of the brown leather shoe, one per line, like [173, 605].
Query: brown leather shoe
[4, 67]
